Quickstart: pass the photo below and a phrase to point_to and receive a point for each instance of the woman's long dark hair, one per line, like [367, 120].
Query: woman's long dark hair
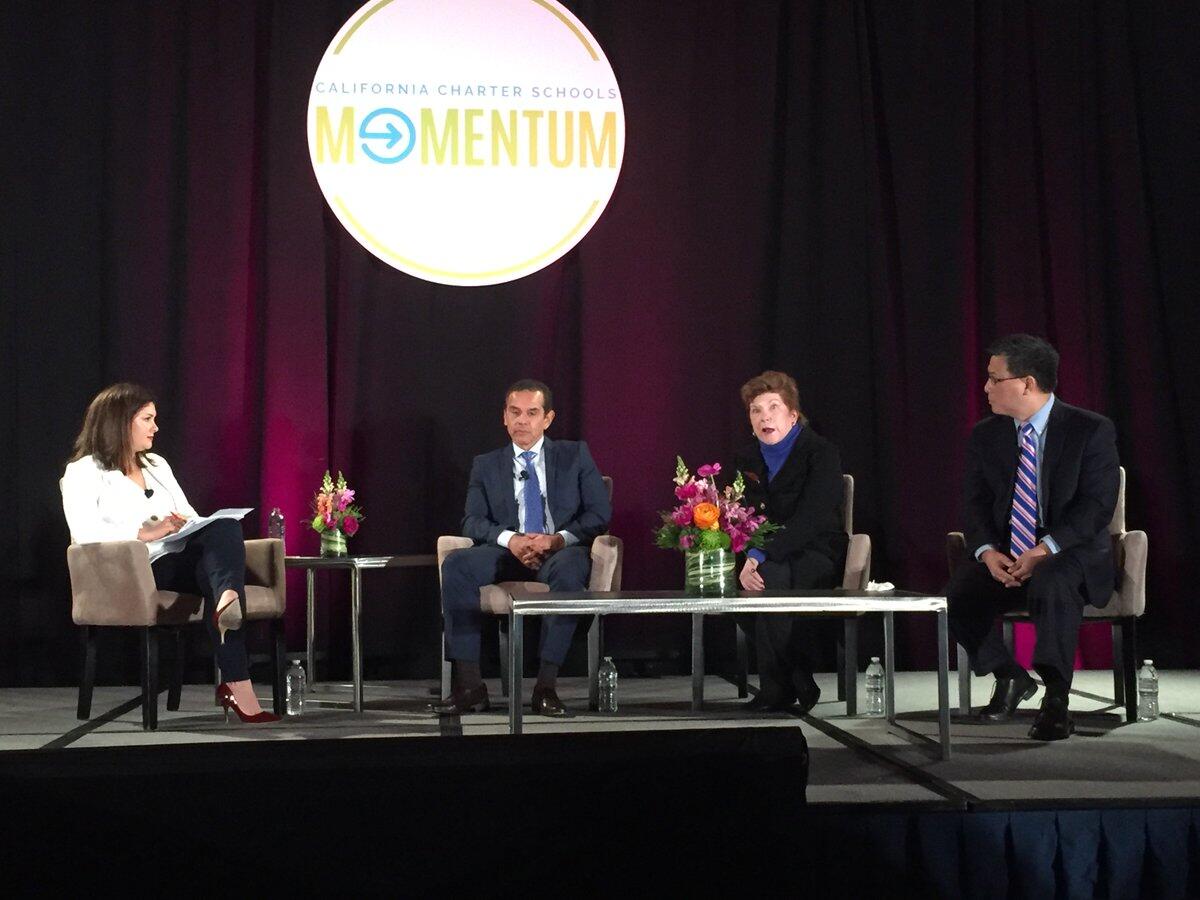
[106, 424]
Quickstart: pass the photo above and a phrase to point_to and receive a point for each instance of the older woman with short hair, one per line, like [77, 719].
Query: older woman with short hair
[793, 476]
[115, 489]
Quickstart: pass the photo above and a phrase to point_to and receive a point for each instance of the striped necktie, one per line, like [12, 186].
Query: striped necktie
[535, 520]
[1023, 522]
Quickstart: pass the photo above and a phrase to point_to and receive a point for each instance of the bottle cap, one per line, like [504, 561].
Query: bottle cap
[874, 659]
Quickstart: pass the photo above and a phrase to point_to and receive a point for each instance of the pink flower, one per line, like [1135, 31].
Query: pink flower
[686, 541]
[737, 542]
[682, 515]
[687, 491]
[708, 471]
[350, 525]
[329, 521]
[345, 498]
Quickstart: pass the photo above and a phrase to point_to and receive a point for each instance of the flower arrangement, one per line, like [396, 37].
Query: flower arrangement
[710, 518]
[335, 515]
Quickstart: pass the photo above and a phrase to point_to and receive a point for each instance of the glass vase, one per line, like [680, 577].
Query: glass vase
[333, 542]
[709, 573]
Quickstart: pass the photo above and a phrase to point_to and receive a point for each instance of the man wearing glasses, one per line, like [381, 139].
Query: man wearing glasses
[1041, 485]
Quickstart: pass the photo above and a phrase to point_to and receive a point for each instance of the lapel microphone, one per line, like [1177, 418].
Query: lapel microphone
[521, 476]
[149, 493]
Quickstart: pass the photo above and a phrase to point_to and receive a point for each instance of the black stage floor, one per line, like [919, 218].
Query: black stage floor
[396, 801]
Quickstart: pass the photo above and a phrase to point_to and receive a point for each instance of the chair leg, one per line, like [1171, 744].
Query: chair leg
[175, 689]
[964, 681]
[445, 668]
[278, 657]
[505, 674]
[1129, 666]
[87, 677]
[149, 679]
[595, 653]
[1118, 659]
[1010, 640]
[850, 666]
[743, 662]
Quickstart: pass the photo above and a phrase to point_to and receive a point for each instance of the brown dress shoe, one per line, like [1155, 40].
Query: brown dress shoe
[545, 702]
[461, 701]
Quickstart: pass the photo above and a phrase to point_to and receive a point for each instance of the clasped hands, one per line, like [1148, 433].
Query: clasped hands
[532, 549]
[1013, 572]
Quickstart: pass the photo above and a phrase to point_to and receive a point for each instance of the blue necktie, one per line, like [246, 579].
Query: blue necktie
[1024, 517]
[535, 521]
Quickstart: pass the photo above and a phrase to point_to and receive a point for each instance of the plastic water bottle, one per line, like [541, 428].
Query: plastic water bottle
[1147, 679]
[275, 525]
[296, 684]
[608, 686]
[875, 688]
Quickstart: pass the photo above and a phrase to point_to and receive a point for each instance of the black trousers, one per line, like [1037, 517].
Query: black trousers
[1054, 597]
[786, 642]
[211, 562]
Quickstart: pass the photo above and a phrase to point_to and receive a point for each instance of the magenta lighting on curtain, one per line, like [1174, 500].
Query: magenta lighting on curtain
[863, 194]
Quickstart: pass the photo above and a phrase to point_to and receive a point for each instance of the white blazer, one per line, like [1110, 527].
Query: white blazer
[105, 505]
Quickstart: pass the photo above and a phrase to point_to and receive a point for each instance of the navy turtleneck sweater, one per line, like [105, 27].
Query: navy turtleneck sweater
[774, 455]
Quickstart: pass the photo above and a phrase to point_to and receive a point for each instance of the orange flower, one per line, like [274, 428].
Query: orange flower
[706, 515]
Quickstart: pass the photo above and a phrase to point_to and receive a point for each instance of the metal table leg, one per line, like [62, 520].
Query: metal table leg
[595, 651]
[356, 634]
[944, 683]
[310, 625]
[889, 666]
[697, 661]
[850, 665]
[516, 653]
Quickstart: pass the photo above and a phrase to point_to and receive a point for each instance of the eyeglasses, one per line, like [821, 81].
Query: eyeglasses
[992, 379]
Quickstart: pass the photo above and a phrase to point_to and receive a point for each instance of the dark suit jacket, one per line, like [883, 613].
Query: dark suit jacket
[575, 493]
[1078, 488]
[805, 497]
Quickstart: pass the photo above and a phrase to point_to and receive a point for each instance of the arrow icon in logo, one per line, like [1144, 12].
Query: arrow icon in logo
[387, 131]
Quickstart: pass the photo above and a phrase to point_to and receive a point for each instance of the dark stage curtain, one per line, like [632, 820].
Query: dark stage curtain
[860, 193]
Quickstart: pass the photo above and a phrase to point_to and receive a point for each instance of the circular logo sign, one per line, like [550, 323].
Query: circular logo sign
[466, 142]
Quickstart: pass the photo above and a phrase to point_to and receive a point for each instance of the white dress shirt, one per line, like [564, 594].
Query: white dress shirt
[539, 466]
[106, 505]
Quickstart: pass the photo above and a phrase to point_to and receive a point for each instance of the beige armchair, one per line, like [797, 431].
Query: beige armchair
[1127, 604]
[112, 585]
[855, 576]
[608, 554]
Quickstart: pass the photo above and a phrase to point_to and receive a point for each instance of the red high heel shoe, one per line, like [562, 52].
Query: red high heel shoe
[220, 611]
[226, 700]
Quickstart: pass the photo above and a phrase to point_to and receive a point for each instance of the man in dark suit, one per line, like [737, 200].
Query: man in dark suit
[1041, 486]
[533, 508]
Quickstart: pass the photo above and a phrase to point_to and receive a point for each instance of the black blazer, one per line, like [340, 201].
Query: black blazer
[805, 497]
[1079, 484]
[575, 493]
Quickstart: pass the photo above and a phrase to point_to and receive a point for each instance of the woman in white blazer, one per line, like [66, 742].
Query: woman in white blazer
[115, 489]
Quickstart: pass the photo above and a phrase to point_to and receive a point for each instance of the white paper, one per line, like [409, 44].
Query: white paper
[191, 526]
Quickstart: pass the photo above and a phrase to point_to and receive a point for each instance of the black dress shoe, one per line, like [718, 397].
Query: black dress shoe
[770, 699]
[1007, 696]
[461, 701]
[545, 702]
[808, 692]
[757, 703]
[1053, 722]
